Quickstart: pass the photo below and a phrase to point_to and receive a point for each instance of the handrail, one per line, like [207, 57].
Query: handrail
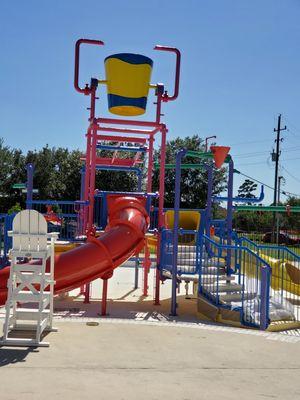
[234, 247]
[265, 246]
[265, 270]
[165, 96]
[86, 90]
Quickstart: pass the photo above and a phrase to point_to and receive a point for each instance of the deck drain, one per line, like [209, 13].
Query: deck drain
[92, 323]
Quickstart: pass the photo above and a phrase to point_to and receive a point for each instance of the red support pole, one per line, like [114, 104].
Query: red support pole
[104, 298]
[150, 165]
[160, 208]
[87, 293]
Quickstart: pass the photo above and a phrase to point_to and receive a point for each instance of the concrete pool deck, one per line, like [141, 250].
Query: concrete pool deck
[140, 352]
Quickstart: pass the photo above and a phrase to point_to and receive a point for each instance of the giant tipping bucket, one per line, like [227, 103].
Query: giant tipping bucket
[128, 81]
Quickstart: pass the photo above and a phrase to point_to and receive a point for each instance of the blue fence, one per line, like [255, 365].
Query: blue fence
[69, 217]
[5, 240]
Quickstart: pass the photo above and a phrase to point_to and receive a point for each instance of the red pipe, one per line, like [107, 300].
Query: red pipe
[79, 42]
[123, 238]
[166, 97]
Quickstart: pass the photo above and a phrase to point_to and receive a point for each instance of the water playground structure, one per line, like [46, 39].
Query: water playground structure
[235, 280]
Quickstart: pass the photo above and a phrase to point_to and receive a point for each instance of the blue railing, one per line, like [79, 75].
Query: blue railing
[69, 214]
[285, 280]
[245, 289]
[187, 261]
[5, 240]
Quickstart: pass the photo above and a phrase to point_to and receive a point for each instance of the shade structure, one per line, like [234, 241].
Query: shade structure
[220, 153]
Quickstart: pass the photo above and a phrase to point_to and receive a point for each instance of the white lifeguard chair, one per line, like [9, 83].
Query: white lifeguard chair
[29, 282]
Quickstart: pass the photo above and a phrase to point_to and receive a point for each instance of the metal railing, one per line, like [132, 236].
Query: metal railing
[69, 215]
[285, 280]
[187, 262]
[248, 280]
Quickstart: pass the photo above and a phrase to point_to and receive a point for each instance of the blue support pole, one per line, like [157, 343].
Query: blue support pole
[209, 168]
[264, 297]
[29, 185]
[229, 212]
[140, 179]
[179, 157]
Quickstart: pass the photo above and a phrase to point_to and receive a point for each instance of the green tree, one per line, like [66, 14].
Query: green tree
[11, 171]
[291, 221]
[246, 189]
[193, 181]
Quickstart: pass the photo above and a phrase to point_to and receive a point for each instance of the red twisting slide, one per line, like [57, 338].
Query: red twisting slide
[124, 237]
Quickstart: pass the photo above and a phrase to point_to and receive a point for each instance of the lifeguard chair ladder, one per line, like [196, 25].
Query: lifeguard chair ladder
[29, 282]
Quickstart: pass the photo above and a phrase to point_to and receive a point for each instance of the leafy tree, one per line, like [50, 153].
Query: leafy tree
[246, 189]
[291, 221]
[193, 181]
[15, 209]
[11, 171]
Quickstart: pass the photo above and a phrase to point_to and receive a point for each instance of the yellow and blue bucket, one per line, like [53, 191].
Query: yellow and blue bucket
[128, 81]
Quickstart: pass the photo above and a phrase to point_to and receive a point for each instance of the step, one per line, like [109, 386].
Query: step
[26, 296]
[30, 314]
[37, 277]
[187, 268]
[27, 268]
[213, 271]
[213, 262]
[236, 297]
[214, 278]
[230, 297]
[221, 288]
[22, 342]
[182, 247]
[186, 262]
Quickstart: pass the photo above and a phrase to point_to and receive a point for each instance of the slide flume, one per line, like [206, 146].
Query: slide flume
[123, 237]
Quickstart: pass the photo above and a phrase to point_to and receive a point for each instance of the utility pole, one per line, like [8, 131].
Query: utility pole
[278, 140]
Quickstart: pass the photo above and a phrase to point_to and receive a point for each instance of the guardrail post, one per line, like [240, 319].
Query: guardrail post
[264, 297]
[179, 156]
[29, 185]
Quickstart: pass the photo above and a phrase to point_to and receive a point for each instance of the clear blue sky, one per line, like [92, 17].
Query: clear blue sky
[240, 68]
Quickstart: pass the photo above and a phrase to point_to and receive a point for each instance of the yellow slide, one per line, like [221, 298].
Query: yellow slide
[285, 275]
[188, 220]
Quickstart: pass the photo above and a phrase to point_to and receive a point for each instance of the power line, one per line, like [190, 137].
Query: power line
[284, 192]
[250, 142]
[255, 153]
[291, 175]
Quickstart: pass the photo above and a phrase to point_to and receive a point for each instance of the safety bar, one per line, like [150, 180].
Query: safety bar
[86, 90]
[166, 97]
